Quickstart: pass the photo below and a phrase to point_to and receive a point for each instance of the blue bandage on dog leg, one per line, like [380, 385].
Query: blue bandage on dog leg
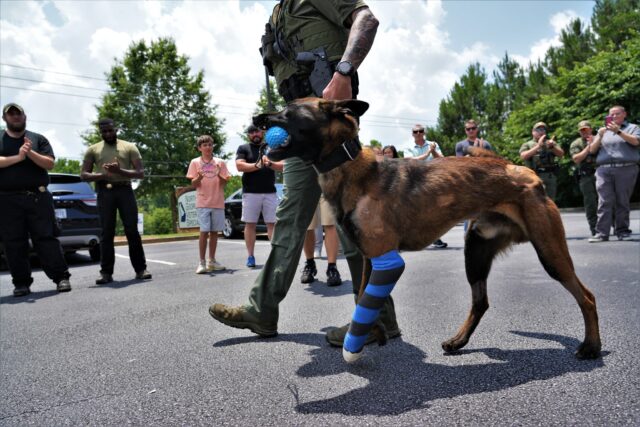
[386, 271]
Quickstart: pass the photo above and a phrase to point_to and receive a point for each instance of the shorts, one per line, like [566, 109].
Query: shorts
[324, 215]
[210, 219]
[254, 203]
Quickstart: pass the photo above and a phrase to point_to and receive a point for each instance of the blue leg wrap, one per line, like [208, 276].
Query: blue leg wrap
[386, 271]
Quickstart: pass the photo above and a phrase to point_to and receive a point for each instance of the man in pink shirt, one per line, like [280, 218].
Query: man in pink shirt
[209, 176]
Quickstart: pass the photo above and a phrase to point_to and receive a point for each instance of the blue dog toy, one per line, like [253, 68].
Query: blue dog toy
[275, 136]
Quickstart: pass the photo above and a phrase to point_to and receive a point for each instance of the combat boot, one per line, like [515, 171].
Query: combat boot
[239, 317]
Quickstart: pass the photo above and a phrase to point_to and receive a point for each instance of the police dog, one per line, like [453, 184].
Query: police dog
[377, 204]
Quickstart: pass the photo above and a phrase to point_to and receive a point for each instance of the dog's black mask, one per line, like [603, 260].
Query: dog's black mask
[315, 126]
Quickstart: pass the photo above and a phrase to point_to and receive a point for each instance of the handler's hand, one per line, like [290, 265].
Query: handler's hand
[541, 143]
[338, 88]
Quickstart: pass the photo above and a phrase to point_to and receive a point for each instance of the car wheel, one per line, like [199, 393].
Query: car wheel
[229, 231]
[94, 253]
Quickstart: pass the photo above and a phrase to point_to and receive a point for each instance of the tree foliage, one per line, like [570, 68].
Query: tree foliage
[66, 166]
[592, 69]
[160, 106]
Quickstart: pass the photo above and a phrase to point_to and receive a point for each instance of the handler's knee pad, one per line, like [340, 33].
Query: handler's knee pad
[386, 271]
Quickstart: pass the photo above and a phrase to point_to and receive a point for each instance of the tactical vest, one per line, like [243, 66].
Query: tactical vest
[299, 32]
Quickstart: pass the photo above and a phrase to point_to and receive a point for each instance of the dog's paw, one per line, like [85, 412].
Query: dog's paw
[453, 345]
[351, 357]
[588, 351]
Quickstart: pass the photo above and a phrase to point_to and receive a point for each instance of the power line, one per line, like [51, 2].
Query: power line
[404, 119]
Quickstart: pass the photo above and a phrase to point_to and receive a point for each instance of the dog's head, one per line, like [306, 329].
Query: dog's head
[315, 126]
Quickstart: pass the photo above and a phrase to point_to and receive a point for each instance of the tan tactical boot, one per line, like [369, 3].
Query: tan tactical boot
[239, 317]
[335, 336]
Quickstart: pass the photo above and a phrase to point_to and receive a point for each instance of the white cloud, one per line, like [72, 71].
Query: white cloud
[411, 67]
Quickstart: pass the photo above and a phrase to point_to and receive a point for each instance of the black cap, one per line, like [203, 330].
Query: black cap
[252, 128]
[11, 105]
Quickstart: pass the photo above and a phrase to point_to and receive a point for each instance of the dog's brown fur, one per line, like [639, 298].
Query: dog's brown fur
[406, 204]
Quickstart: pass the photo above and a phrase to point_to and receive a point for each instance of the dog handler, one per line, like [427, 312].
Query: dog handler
[345, 30]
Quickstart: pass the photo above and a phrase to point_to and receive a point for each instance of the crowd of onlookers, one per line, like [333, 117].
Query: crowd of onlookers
[606, 168]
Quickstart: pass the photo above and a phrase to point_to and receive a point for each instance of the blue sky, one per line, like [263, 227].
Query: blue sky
[421, 49]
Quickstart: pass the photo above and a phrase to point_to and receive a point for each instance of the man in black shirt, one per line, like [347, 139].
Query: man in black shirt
[27, 206]
[258, 188]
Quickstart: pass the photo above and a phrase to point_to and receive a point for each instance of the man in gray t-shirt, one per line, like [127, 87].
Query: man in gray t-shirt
[618, 152]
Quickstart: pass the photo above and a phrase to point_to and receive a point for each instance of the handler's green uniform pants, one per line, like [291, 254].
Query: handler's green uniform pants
[294, 214]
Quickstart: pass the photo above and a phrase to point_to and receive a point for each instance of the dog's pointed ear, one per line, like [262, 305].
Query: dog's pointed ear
[352, 107]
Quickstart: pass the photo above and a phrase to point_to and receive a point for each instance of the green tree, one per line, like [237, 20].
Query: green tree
[278, 103]
[614, 22]
[577, 45]
[66, 166]
[158, 104]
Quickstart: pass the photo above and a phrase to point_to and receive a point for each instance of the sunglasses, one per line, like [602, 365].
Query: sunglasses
[540, 129]
[471, 128]
[415, 132]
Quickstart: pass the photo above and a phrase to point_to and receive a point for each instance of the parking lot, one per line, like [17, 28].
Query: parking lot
[148, 353]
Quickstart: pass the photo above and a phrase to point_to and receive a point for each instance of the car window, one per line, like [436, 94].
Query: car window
[75, 187]
[238, 196]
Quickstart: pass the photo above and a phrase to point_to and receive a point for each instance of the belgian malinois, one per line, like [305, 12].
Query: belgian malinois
[377, 204]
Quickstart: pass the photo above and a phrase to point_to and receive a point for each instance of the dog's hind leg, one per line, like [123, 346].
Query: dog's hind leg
[386, 271]
[482, 243]
[548, 239]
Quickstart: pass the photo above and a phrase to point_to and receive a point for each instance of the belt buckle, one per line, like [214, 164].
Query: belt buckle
[109, 186]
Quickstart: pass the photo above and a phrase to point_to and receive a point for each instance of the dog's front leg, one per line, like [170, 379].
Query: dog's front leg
[386, 270]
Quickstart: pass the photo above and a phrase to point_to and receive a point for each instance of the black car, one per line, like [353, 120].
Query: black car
[233, 225]
[76, 210]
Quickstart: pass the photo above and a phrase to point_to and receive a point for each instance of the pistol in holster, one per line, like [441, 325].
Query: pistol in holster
[322, 71]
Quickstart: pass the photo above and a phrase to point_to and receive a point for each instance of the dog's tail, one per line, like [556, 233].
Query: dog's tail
[481, 152]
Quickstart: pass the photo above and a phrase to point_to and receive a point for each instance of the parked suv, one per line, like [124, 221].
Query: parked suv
[76, 210]
[233, 225]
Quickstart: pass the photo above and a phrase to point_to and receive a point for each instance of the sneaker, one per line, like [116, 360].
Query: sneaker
[598, 238]
[251, 261]
[213, 265]
[202, 268]
[625, 236]
[333, 276]
[239, 317]
[439, 244]
[63, 286]
[104, 279]
[309, 272]
[21, 291]
[335, 336]
[143, 275]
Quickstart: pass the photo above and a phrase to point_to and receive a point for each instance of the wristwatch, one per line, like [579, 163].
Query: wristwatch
[345, 68]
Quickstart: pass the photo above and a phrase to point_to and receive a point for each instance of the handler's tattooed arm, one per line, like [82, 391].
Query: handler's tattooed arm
[363, 32]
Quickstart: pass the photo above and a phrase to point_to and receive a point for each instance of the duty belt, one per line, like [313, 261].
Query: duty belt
[35, 190]
[616, 165]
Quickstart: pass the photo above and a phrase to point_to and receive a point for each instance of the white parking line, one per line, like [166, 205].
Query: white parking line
[150, 260]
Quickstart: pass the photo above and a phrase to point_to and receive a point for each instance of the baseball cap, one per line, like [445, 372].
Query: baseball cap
[584, 124]
[252, 128]
[10, 105]
[539, 125]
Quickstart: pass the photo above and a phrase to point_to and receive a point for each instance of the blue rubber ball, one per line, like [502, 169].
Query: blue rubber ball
[275, 136]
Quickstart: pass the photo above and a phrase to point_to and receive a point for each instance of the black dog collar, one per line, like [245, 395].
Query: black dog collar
[346, 152]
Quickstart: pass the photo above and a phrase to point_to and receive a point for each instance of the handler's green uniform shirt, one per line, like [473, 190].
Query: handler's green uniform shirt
[125, 152]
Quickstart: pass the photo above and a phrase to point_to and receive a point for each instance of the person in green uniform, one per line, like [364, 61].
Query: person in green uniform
[540, 154]
[345, 29]
[585, 172]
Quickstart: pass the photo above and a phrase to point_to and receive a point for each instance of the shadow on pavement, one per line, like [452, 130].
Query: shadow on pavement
[399, 379]
[31, 298]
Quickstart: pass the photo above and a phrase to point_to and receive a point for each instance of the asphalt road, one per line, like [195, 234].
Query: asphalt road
[148, 353]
